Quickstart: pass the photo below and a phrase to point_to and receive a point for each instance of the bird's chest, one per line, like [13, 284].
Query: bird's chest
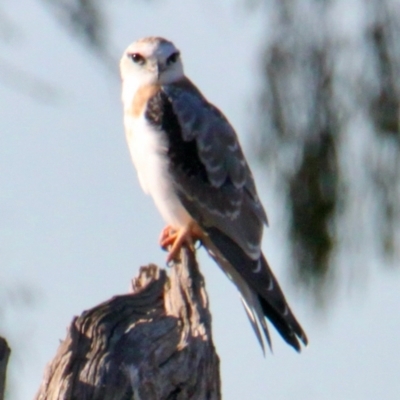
[148, 146]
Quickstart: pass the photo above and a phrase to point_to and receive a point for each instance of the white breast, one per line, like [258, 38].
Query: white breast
[148, 149]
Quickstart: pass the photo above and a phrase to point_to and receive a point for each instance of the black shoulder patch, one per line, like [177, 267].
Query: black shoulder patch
[183, 154]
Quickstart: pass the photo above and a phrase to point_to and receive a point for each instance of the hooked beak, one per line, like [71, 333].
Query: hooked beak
[160, 68]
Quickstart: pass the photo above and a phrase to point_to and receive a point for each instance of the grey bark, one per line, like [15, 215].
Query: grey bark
[154, 343]
[4, 355]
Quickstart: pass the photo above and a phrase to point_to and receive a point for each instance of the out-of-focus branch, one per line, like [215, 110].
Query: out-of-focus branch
[87, 21]
[26, 83]
[330, 119]
[5, 352]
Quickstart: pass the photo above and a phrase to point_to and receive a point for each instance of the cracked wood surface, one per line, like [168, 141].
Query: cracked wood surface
[154, 343]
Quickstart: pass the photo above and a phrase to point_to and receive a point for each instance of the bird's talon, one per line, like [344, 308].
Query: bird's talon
[172, 240]
[166, 232]
[168, 242]
[169, 263]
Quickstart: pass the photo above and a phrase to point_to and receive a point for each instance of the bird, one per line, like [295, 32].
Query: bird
[189, 160]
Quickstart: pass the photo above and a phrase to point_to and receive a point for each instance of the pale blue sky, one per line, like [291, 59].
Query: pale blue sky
[75, 226]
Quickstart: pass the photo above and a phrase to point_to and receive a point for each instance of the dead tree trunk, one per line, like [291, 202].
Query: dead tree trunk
[154, 343]
[4, 355]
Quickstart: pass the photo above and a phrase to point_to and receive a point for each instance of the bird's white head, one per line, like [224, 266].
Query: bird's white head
[151, 60]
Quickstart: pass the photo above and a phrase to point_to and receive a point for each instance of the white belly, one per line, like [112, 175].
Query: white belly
[148, 150]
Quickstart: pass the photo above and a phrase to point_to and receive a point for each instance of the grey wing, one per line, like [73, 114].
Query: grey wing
[225, 196]
[215, 185]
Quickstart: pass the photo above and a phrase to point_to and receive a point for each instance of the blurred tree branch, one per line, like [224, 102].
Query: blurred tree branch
[315, 92]
[4, 355]
[26, 83]
[86, 20]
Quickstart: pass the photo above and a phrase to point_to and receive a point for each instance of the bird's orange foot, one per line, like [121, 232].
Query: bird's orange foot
[173, 239]
[166, 237]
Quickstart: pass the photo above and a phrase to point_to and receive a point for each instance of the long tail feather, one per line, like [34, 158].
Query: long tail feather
[258, 286]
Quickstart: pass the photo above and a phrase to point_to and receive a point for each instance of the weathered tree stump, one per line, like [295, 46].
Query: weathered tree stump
[4, 355]
[154, 343]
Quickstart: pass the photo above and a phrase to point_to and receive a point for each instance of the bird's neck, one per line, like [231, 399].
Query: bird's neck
[129, 88]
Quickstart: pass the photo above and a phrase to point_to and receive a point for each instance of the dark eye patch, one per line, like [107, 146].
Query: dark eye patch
[173, 58]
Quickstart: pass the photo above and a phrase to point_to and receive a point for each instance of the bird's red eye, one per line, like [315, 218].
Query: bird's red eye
[173, 58]
[137, 58]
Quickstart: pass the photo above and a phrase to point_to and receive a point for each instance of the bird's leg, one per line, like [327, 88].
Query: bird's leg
[178, 238]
